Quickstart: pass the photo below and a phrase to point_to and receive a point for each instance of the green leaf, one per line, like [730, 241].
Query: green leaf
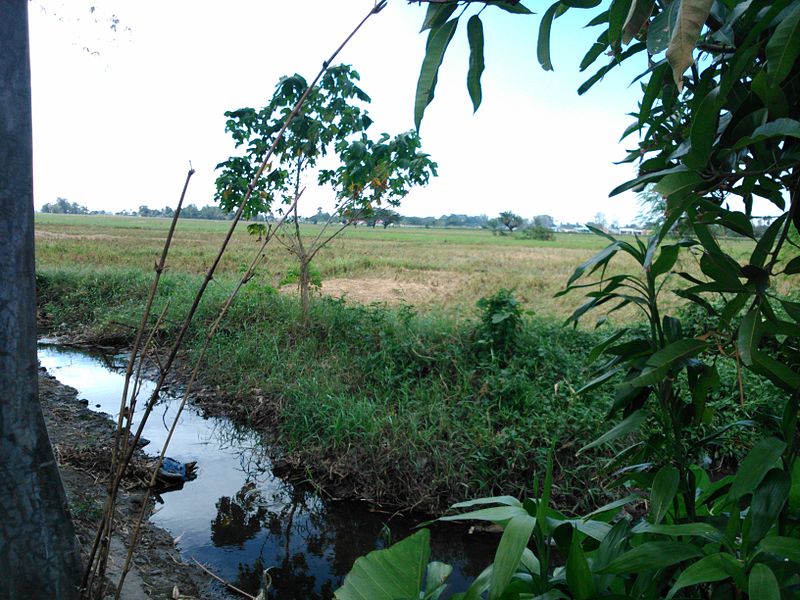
[749, 335]
[617, 13]
[783, 46]
[436, 580]
[706, 570]
[704, 131]
[677, 184]
[543, 43]
[497, 514]
[692, 15]
[579, 577]
[509, 552]
[764, 245]
[475, 37]
[702, 530]
[666, 260]
[638, 15]
[505, 500]
[512, 7]
[768, 501]
[755, 465]
[652, 556]
[437, 14]
[389, 574]
[774, 370]
[438, 40]
[777, 128]
[793, 266]
[660, 29]
[782, 546]
[677, 351]
[665, 486]
[762, 583]
[625, 427]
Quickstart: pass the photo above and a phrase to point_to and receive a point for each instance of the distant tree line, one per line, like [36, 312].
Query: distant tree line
[62, 206]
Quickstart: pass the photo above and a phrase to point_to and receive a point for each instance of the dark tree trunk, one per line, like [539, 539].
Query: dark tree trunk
[39, 556]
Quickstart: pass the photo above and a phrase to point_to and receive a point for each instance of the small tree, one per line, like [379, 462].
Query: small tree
[511, 221]
[370, 173]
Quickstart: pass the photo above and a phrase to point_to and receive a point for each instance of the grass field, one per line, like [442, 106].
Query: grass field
[442, 269]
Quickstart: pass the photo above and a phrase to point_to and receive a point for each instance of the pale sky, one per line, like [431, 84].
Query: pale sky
[119, 115]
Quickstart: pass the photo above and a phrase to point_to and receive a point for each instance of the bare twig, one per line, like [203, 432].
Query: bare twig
[230, 586]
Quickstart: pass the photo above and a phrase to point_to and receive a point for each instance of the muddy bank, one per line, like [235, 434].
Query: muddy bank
[81, 442]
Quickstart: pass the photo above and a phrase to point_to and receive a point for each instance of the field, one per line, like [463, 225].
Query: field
[446, 270]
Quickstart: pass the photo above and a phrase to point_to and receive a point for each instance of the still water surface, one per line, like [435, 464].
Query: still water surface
[238, 518]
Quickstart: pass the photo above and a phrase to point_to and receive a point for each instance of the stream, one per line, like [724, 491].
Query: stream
[238, 518]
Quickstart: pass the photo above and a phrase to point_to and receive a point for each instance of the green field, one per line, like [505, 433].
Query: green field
[443, 269]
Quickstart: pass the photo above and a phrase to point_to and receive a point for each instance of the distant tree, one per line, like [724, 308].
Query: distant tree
[511, 221]
[538, 232]
[63, 206]
[545, 221]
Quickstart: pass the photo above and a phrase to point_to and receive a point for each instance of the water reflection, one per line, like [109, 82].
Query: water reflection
[239, 519]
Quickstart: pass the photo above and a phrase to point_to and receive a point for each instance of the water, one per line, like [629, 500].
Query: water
[238, 518]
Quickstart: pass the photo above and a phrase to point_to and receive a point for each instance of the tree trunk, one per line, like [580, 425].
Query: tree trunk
[39, 556]
[305, 284]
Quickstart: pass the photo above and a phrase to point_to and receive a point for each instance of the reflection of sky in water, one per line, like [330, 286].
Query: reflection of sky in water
[239, 518]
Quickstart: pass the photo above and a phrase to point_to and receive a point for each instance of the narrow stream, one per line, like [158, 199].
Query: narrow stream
[238, 518]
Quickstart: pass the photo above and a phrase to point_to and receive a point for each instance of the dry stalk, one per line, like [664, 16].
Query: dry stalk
[106, 524]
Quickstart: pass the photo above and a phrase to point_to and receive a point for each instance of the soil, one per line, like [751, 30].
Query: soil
[82, 441]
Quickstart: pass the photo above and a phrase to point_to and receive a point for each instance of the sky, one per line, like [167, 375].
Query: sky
[119, 114]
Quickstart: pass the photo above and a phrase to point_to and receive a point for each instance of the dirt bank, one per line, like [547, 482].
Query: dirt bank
[81, 441]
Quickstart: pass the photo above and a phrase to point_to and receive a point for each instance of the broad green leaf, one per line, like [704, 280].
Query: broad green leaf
[692, 15]
[506, 500]
[775, 371]
[783, 46]
[782, 546]
[496, 514]
[625, 427]
[793, 266]
[749, 335]
[677, 351]
[581, 3]
[438, 40]
[652, 556]
[768, 501]
[543, 505]
[755, 465]
[704, 131]
[778, 128]
[641, 181]
[706, 570]
[509, 552]
[543, 44]
[475, 37]
[612, 506]
[792, 309]
[592, 263]
[764, 245]
[702, 530]
[666, 260]
[389, 574]
[436, 580]
[677, 184]
[638, 15]
[579, 577]
[762, 583]
[437, 14]
[665, 486]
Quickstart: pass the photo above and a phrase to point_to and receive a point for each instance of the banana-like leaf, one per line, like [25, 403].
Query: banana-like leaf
[763, 584]
[782, 546]
[755, 465]
[768, 501]
[579, 576]
[653, 555]
[665, 486]
[438, 40]
[706, 570]
[476, 65]
[390, 573]
[692, 15]
[625, 427]
[509, 552]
